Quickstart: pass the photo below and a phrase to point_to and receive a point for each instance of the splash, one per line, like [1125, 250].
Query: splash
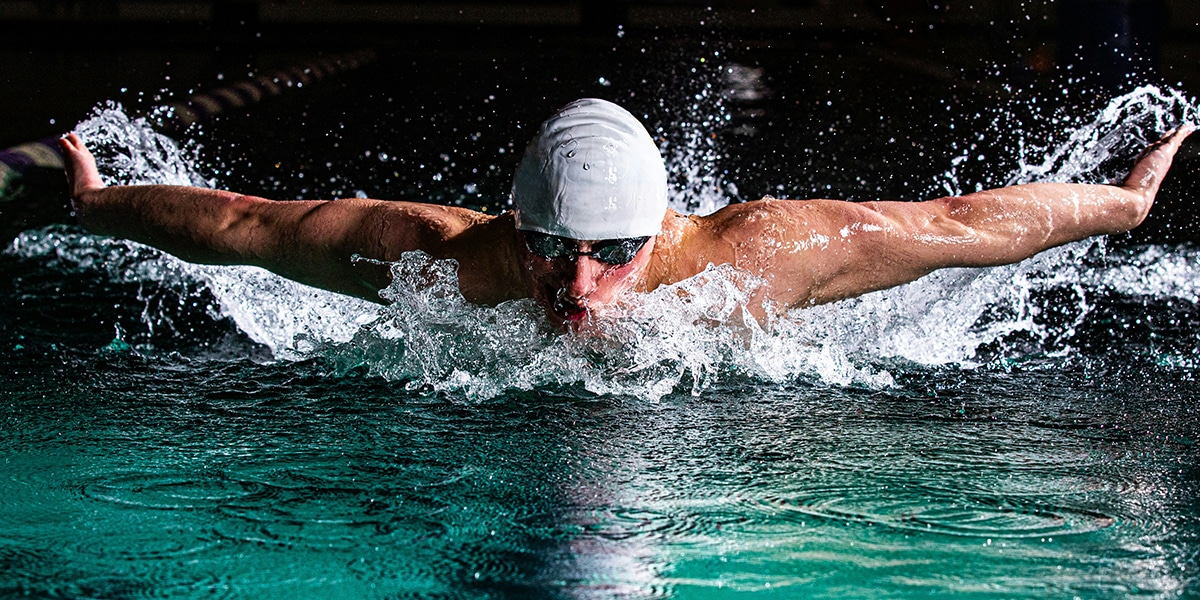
[946, 317]
[278, 313]
[271, 310]
[689, 336]
[691, 138]
[692, 332]
[1129, 122]
[1075, 149]
[130, 152]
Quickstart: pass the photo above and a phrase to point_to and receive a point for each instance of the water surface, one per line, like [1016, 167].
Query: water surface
[183, 431]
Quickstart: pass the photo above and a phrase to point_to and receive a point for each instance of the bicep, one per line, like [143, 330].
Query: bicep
[317, 243]
[827, 250]
[877, 245]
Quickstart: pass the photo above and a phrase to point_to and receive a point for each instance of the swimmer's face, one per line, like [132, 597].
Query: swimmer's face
[572, 279]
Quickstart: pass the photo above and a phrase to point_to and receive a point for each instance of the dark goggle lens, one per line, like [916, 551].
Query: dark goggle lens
[547, 246]
[613, 252]
[618, 252]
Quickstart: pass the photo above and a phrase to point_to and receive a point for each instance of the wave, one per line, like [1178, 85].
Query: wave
[692, 335]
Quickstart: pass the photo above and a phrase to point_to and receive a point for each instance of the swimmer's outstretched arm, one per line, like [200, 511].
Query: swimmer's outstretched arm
[309, 241]
[819, 251]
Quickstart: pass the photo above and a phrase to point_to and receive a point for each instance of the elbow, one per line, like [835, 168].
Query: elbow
[88, 209]
[1134, 210]
[1126, 210]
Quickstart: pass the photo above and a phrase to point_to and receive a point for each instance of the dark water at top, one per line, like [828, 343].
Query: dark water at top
[175, 431]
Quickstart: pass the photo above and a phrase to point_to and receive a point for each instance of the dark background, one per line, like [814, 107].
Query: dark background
[60, 58]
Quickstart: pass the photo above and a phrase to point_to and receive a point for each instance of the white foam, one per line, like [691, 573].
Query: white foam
[130, 152]
[947, 316]
[692, 335]
[693, 332]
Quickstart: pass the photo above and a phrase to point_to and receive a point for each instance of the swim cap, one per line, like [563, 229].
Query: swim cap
[592, 173]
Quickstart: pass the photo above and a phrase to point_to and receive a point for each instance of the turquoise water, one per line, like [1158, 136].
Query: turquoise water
[135, 476]
[181, 431]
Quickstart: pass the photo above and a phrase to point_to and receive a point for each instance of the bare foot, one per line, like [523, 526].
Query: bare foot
[80, 166]
[1153, 164]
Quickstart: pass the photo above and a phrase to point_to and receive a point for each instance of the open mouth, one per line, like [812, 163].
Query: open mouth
[566, 310]
[569, 311]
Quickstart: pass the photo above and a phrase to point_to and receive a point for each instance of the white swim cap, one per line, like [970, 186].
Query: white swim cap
[592, 173]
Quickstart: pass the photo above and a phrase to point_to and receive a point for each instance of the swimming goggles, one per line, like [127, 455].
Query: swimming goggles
[613, 252]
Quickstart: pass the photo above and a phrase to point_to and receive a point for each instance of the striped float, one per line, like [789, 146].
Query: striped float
[15, 162]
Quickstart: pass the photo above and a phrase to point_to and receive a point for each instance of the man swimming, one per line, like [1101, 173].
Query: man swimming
[591, 224]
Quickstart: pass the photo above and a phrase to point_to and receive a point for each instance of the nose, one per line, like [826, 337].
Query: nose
[581, 280]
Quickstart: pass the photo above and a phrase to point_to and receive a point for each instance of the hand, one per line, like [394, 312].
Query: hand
[1148, 172]
[80, 166]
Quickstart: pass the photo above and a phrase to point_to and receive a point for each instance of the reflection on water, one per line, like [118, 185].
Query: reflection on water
[176, 430]
[223, 478]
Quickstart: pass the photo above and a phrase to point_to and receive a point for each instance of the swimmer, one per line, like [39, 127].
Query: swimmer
[590, 223]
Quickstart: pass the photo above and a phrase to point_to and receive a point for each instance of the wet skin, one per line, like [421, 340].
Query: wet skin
[571, 288]
[806, 251]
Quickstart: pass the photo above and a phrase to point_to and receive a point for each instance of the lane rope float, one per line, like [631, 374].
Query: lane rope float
[19, 160]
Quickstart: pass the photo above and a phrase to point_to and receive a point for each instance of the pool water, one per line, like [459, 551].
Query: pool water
[1030, 431]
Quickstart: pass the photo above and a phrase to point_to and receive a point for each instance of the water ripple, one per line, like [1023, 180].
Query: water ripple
[171, 491]
[961, 515]
[326, 519]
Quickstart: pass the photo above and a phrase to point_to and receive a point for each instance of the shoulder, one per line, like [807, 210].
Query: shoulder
[758, 234]
[446, 221]
[822, 221]
[407, 226]
[768, 211]
[769, 217]
[689, 243]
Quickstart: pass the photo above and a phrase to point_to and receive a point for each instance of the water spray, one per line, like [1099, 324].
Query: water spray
[18, 162]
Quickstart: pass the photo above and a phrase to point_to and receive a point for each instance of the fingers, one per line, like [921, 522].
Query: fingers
[1171, 140]
[68, 144]
[1176, 137]
[72, 143]
[1152, 166]
[79, 165]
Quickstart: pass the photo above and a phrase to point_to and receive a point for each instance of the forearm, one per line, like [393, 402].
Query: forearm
[311, 241]
[195, 224]
[1010, 224]
[825, 250]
